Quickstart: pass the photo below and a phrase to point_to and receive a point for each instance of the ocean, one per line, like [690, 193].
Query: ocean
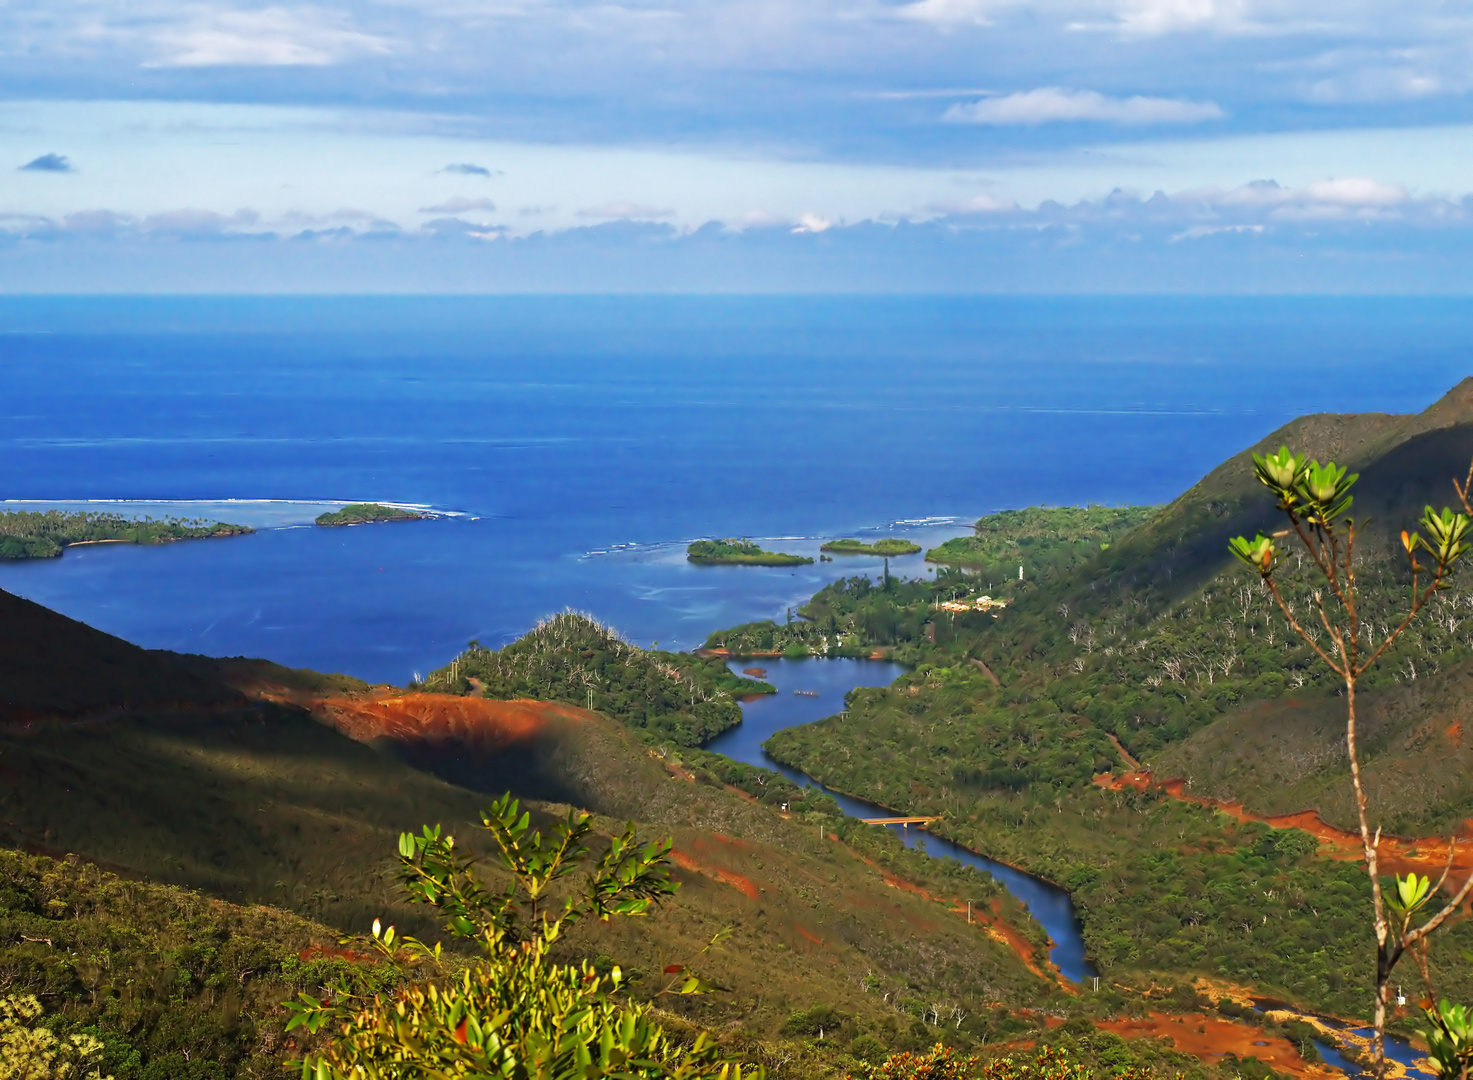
[576, 444]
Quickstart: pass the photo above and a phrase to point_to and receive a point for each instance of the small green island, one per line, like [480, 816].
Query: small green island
[34, 534]
[888, 547]
[739, 553]
[368, 514]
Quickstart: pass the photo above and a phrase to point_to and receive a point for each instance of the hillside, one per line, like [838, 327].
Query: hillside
[1161, 650]
[54, 666]
[572, 657]
[174, 984]
[1405, 462]
[249, 794]
[1287, 755]
[262, 785]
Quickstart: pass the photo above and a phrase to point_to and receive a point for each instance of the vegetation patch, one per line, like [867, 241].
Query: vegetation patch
[889, 546]
[571, 657]
[739, 553]
[172, 984]
[1044, 540]
[28, 534]
[368, 514]
[855, 616]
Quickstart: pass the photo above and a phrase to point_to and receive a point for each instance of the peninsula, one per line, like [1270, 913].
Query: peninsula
[739, 553]
[888, 547]
[30, 534]
[368, 514]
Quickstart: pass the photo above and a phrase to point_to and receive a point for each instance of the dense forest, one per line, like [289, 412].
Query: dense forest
[856, 616]
[572, 657]
[27, 534]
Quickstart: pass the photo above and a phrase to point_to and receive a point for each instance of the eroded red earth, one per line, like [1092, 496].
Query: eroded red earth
[1396, 855]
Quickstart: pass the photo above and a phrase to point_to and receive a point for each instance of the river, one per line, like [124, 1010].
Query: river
[823, 684]
[830, 680]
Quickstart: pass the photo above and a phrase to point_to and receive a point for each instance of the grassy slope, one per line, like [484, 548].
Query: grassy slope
[258, 802]
[175, 984]
[1165, 889]
[51, 664]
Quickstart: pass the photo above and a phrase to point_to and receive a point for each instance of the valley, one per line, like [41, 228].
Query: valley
[1133, 743]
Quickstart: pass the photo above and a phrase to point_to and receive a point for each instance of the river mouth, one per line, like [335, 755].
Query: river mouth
[811, 689]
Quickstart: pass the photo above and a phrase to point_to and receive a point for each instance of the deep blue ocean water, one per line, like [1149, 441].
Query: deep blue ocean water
[561, 427]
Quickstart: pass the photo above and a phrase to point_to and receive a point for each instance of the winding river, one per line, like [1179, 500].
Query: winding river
[830, 680]
[810, 690]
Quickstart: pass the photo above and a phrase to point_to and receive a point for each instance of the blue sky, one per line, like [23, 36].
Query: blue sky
[1135, 145]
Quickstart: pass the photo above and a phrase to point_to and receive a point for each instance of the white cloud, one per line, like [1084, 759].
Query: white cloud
[975, 12]
[1356, 191]
[458, 204]
[1051, 104]
[1338, 194]
[192, 222]
[268, 37]
[1175, 16]
[1197, 232]
[625, 211]
[812, 223]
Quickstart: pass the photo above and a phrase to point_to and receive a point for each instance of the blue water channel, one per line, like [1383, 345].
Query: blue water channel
[829, 681]
[812, 689]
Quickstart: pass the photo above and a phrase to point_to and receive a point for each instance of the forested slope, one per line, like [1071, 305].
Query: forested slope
[1163, 648]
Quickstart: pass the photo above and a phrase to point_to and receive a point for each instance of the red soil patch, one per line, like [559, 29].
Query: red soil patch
[1218, 1037]
[743, 885]
[755, 672]
[723, 651]
[334, 952]
[478, 723]
[1455, 734]
[1396, 855]
[811, 937]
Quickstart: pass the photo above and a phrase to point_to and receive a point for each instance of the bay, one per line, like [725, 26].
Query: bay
[585, 440]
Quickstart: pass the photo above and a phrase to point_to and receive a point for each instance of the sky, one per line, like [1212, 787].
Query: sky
[745, 145]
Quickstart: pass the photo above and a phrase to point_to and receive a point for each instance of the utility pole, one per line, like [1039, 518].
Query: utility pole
[969, 913]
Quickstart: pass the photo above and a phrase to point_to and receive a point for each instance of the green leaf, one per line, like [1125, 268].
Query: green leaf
[1259, 553]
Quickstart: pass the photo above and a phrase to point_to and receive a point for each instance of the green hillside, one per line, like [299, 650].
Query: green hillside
[1287, 755]
[573, 657]
[1160, 647]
